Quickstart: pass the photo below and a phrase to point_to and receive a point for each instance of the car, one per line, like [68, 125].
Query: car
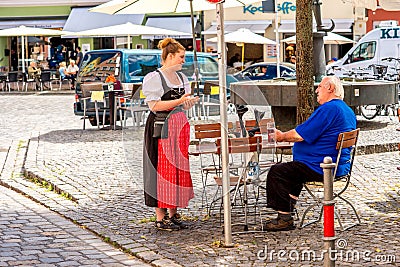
[255, 72]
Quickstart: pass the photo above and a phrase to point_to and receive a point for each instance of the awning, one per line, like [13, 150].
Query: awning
[80, 19]
[37, 23]
[257, 26]
[181, 24]
[341, 25]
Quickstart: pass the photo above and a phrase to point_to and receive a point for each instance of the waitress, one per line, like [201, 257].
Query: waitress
[166, 170]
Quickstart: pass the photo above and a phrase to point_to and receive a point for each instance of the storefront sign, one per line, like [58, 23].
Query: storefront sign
[284, 7]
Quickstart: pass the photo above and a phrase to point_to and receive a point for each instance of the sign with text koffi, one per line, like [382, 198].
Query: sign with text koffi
[268, 6]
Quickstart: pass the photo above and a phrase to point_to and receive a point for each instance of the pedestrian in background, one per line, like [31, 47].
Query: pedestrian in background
[72, 71]
[79, 55]
[166, 170]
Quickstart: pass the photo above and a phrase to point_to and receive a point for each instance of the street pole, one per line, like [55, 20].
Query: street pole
[23, 53]
[278, 68]
[224, 124]
[329, 213]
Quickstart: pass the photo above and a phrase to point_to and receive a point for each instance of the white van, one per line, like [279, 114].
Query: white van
[376, 45]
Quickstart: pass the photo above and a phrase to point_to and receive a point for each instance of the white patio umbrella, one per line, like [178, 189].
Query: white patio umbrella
[330, 38]
[128, 29]
[24, 31]
[166, 6]
[242, 36]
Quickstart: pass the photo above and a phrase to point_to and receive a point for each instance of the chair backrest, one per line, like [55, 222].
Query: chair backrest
[250, 124]
[13, 76]
[136, 88]
[347, 140]
[88, 87]
[242, 144]
[207, 90]
[45, 76]
[209, 130]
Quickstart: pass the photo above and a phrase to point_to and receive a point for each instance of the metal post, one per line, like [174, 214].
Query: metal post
[196, 66]
[23, 53]
[329, 213]
[278, 46]
[224, 125]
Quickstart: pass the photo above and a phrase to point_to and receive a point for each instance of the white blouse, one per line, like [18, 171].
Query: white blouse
[152, 86]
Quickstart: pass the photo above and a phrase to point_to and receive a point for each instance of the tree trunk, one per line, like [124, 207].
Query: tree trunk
[304, 60]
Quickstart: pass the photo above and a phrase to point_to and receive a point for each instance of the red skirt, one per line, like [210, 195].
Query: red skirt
[175, 187]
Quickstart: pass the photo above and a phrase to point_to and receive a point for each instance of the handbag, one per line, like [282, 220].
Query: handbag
[161, 125]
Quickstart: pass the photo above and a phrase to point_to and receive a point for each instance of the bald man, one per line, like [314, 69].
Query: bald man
[313, 140]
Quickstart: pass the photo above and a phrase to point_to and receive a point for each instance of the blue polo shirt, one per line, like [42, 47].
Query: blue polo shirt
[320, 133]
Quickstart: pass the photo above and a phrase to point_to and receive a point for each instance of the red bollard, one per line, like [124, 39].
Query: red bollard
[329, 213]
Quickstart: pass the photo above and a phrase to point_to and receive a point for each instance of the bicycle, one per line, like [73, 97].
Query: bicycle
[371, 111]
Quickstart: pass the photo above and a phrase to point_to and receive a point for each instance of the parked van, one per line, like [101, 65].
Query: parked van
[131, 65]
[376, 45]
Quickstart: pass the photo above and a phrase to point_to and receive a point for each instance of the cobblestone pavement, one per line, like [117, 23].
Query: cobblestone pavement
[30, 233]
[98, 175]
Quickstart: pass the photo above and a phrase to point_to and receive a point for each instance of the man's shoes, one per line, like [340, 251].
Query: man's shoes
[279, 224]
[177, 220]
[166, 225]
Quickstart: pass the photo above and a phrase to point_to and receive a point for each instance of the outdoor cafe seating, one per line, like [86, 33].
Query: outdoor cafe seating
[248, 158]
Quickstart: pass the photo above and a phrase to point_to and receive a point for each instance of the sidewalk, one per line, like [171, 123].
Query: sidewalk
[32, 235]
[109, 200]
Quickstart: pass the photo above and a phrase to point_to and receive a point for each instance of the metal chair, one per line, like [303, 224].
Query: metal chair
[94, 101]
[346, 140]
[133, 105]
[45, 78]
[26, 81]
[12, 78]
[211, 88]
[249, 149]
[61, 81]
[205, 134]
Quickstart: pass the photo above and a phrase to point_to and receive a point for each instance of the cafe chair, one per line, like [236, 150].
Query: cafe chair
[132, 104]
[26, 82]
[62, 81]
[45, 78]
[206, 134]
[94, 100]
[346, 140]
[192, 113]
[211, 88]
[12, 78]
[244, 151]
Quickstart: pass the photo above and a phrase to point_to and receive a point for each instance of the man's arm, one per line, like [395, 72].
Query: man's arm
[289, 136]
